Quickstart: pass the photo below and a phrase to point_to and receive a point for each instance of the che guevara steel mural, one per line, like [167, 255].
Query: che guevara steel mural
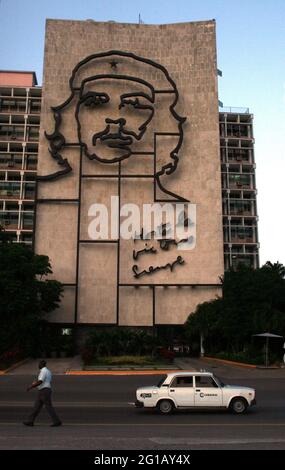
[113, 106]
[115, 134]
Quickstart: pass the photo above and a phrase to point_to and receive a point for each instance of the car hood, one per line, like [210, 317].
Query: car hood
[147, 389]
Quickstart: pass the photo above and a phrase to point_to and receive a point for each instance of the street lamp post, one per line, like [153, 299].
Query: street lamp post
[202, 350]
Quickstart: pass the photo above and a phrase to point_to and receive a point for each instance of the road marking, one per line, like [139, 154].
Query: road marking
[213, 441]
[73, 404]
[157, 424]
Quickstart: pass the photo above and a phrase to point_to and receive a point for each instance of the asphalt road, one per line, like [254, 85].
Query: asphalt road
[97, 414]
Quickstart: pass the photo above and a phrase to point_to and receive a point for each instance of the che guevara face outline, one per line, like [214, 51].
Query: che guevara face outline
[108, 122]
[58, 143]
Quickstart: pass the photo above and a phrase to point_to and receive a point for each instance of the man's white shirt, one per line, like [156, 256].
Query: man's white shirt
[45, 377]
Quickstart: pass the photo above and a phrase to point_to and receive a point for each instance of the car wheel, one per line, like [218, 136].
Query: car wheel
[238, 405]
[165, 407]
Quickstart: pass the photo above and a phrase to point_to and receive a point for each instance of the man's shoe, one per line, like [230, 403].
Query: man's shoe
[28, 423]
[55, 425]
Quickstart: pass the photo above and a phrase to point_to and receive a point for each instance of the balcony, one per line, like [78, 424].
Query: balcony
[240, 234]
[33, 133]
[10, 161]
[28, 221]
[29, 191]
[239, 155]
[34, 106]
[11, 132]
[240, 208]
[9, 220]
[235, 130]
[9, 190]
[233, 110]
[238, 181]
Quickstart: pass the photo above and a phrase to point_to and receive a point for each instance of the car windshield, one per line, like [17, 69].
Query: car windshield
[161, 381]
[219, 382]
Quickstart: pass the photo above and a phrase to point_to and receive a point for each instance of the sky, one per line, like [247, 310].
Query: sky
[251, 55]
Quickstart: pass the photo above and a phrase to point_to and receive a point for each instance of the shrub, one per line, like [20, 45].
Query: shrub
[166, 354]
[121, 341]
[88, 354]
[11, 356]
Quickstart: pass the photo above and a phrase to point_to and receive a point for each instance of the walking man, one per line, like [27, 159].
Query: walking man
[44, 396]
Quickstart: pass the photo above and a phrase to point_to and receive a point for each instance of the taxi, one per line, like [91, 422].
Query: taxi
[186, 390]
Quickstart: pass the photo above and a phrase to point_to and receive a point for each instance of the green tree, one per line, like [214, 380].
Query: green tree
[253, 302]
[26, 294]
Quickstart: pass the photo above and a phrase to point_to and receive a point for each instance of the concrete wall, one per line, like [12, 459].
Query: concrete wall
[188, 52]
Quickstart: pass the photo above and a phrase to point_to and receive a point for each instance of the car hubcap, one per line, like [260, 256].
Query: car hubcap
[239, 406]
[165, 407]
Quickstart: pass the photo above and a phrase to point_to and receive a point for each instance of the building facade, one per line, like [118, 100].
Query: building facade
[124, 124]
[129, 118]
[20, 107]
[239, 189]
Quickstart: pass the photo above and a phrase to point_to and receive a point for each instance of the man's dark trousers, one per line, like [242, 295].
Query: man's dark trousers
[44, 398]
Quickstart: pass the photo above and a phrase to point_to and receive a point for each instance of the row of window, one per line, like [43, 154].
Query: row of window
[21, 162]
[237, 154]
[238, 181]
[17, 147]
[234, 261]
[236, 130]
[20, 105]
[26, 238]
[235, 118]
[241, 249]
[14, 190]
[238, 169]
[239, 208]
[20, 92]
[240, 234]
[20, 119]
[187, 382]
[15, 220]
[12, 132]
[238, 144]
[240, 222]
[15, 177]
[14, 206]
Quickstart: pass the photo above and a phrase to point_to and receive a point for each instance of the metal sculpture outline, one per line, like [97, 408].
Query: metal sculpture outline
[58, 142]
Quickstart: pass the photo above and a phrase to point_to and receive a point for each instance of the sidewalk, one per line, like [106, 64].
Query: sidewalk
[74, 366]
[58, 366]
[226, 369]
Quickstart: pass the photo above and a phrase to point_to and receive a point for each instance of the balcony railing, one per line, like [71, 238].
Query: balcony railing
[234, 110]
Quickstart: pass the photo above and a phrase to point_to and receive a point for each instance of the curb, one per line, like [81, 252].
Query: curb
[121, 372]
[14, 366]
[233, 363]
[124, 369]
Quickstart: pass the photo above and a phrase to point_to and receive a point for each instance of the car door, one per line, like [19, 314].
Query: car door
[207, 391]
[182, 391]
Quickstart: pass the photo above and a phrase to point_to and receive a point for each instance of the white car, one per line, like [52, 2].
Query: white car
[182, 390]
